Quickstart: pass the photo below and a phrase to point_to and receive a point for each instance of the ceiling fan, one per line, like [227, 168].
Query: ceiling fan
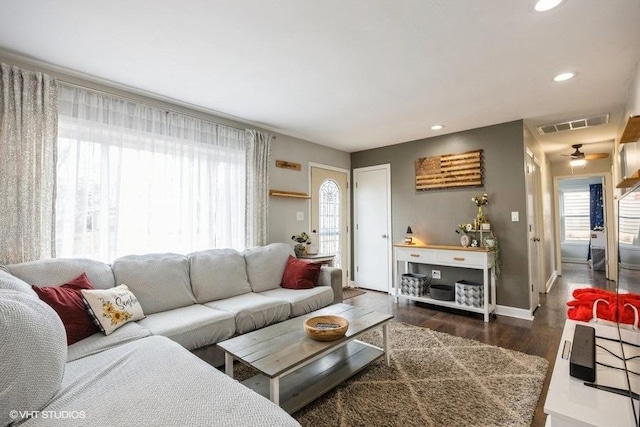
[578, 158]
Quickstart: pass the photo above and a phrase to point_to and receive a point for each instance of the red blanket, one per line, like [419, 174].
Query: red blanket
[593, 303]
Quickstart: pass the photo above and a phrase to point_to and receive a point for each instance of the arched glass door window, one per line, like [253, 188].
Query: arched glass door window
[329, 220]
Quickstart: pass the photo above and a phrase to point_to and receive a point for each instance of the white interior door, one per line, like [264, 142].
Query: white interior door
[533, 234]
[372, 223]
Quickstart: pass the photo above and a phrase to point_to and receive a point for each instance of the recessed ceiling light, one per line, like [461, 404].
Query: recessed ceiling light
[544, 5]
[436, 127]
[564, 76]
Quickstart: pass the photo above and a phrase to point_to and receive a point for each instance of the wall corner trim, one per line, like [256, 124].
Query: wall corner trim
[551, 281]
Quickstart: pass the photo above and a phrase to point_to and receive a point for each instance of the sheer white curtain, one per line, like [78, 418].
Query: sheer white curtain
[28, 125]
[258, 155]
[137, 179]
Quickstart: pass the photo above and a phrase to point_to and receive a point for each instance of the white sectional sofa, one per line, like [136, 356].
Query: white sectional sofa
[142, 374]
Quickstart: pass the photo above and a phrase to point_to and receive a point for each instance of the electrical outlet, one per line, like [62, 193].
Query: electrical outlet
[300, 216]
[435, 274]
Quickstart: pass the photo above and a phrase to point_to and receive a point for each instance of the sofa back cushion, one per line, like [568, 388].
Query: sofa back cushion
[33, 354]
[63, 270]
[265, 265]
[10, 282]
[160, 282]
[217, 274]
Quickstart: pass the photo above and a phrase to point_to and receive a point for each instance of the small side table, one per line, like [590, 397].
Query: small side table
[319, 258]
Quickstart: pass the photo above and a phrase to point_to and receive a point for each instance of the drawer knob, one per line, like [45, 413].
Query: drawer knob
[415, 255]
[457, 258]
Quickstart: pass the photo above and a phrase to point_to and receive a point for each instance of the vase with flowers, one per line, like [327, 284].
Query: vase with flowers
[480, 201]
[302, 240]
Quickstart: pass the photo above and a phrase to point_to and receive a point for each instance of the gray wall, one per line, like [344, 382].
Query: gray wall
[282, 211]
[434, 215]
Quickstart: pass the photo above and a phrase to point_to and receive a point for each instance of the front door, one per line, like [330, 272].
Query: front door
[330, 214]
[372, 222]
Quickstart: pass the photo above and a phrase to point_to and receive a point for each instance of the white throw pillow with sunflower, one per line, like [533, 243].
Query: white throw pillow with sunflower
[112, 308]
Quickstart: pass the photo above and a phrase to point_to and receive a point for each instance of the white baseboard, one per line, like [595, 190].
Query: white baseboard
[551, 281]
[575, 260]
[518, 313]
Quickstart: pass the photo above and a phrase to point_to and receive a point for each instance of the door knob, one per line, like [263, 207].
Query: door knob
[536, 239]
[384, 236]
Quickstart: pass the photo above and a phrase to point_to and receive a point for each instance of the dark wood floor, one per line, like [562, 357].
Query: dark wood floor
[539, 337]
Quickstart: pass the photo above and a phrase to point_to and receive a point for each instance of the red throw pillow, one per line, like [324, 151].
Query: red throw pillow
[300, 274]
[66, 300]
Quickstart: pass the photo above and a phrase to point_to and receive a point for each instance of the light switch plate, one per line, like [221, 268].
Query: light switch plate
[515, 216]
[300, 216]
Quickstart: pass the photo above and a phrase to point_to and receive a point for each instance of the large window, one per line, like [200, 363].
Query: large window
[575, 215]
[136, 179]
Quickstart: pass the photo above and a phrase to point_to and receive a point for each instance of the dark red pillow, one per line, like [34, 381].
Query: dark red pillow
[66, 300]
[300, 274]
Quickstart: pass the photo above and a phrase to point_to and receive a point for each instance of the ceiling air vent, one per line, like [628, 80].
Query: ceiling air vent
[573, 124]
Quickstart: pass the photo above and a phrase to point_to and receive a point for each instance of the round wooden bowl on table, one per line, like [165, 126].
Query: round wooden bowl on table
[326, 328]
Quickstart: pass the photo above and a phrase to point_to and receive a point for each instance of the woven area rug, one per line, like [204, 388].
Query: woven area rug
[435, 379]
[351, 292]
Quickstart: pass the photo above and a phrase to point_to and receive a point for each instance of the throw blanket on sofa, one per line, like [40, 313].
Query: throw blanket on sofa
[131, 385]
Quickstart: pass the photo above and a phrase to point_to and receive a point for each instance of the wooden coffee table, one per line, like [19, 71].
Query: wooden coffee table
[294, 369]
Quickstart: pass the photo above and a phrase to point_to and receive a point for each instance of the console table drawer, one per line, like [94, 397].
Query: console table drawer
[462, 258]
[423, 256]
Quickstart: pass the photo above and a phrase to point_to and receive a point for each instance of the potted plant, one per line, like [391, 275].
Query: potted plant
[302, 240]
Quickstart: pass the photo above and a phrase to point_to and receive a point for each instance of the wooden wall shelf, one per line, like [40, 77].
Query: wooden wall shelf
[290, 194]
[628, 182]
[631, 130]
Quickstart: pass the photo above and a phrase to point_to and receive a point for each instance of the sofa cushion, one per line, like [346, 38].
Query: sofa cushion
[192, 327]
[265, 265]
[112, 308]
[33, 354]
[155, 382]
[62, 270]
[218, 274]
[99, 342]
[303, 301]
[299, 274]
[67, 302]
[253, 311]
[159, 281]
[10, 282]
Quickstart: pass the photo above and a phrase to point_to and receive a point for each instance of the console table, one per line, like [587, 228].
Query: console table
[570, 403]
[319, 258]
[450, 256]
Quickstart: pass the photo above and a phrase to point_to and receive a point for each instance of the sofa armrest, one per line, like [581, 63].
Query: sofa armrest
[332, 276]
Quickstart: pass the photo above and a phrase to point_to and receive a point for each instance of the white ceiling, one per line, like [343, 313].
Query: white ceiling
[351, 74]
